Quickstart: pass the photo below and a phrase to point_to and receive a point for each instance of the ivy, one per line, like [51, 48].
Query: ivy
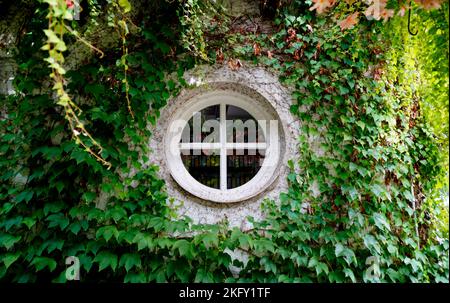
[378, 172]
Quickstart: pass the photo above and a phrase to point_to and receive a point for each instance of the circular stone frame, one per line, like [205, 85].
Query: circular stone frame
[261, 112]
[264, 89]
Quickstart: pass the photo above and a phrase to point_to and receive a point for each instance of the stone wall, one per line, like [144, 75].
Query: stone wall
[12, 20]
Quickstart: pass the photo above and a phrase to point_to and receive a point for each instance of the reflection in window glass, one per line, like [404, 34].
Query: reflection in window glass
[202, 160]
[242, 127]
[242, 166]
[196, 130]
[205, 168]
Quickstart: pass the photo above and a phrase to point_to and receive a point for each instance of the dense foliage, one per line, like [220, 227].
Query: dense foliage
[377, 216]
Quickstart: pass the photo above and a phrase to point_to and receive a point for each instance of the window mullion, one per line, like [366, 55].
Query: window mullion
[223, 147]
[246, 145]
[200, 145]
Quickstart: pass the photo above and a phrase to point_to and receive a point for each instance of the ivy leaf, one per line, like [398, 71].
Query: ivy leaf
[269, 265]
[349, 274]
[313, 262]
[130, 261]
[58, 220]
[8, 241]
[376, 189]
[25, 195]
[125, 5]
[107, 232]
[392, 249]
[185, 248]
[16, 221]
[322, 268]
[75, 227]
[380, 191]
[144, 241]
[182, 271]
[347, 253]
[79, 155]
[264, 245]
[52, 37]
[157, 223]
[408, 195]
[371, 243]
[10, 258]
[106, 259]
[135, 278]
[416, 266]
[343, 90]
[393, 274]
[86, 262]
[117, 213]
[53, 207]
[381, 221]
[210, 240]
[361, 124]
[203, 276]
[54, 244]
[41, 262]
[89, 196]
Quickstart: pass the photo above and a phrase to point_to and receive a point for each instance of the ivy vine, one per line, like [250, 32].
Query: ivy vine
[370, 193]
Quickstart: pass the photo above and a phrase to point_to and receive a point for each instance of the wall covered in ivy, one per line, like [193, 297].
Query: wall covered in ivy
[86, 90]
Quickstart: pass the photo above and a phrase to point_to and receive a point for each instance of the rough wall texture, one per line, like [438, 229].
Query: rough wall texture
[238, 7]
[266, 90]
[12, 19]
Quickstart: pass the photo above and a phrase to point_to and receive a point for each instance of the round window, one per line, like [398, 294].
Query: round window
[222, 147]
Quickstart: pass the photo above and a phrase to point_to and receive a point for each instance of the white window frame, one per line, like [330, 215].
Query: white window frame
[267, 173]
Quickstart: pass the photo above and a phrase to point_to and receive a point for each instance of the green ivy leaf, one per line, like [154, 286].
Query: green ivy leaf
[144, 241]
[185, 248]
[264, 245]
[41, 262]
[58, 220]
[347, 253]
[75, 227]
[349, 274]
[125, 5]
[322, 268]
[203, 276]
[8, 241]
[106, 259]
[107, 232]
[210, 240]
[25, 195]
[381, 221]
[89, 196]
[371, 243]
[10, 258]
[135, 278]
[130, 260]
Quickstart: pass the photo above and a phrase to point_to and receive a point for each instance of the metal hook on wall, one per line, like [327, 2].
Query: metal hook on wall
[409, 21]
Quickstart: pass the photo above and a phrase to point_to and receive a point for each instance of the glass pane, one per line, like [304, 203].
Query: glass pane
[242, 166]
[204, 126]
[242, 127]
[204, 166]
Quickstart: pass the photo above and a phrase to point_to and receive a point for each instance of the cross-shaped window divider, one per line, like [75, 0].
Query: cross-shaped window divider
[223, 146]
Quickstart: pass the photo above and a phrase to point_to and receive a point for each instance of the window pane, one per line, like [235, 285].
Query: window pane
[242, 127]
[242, 166]
[204, 166]
[204, 126]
